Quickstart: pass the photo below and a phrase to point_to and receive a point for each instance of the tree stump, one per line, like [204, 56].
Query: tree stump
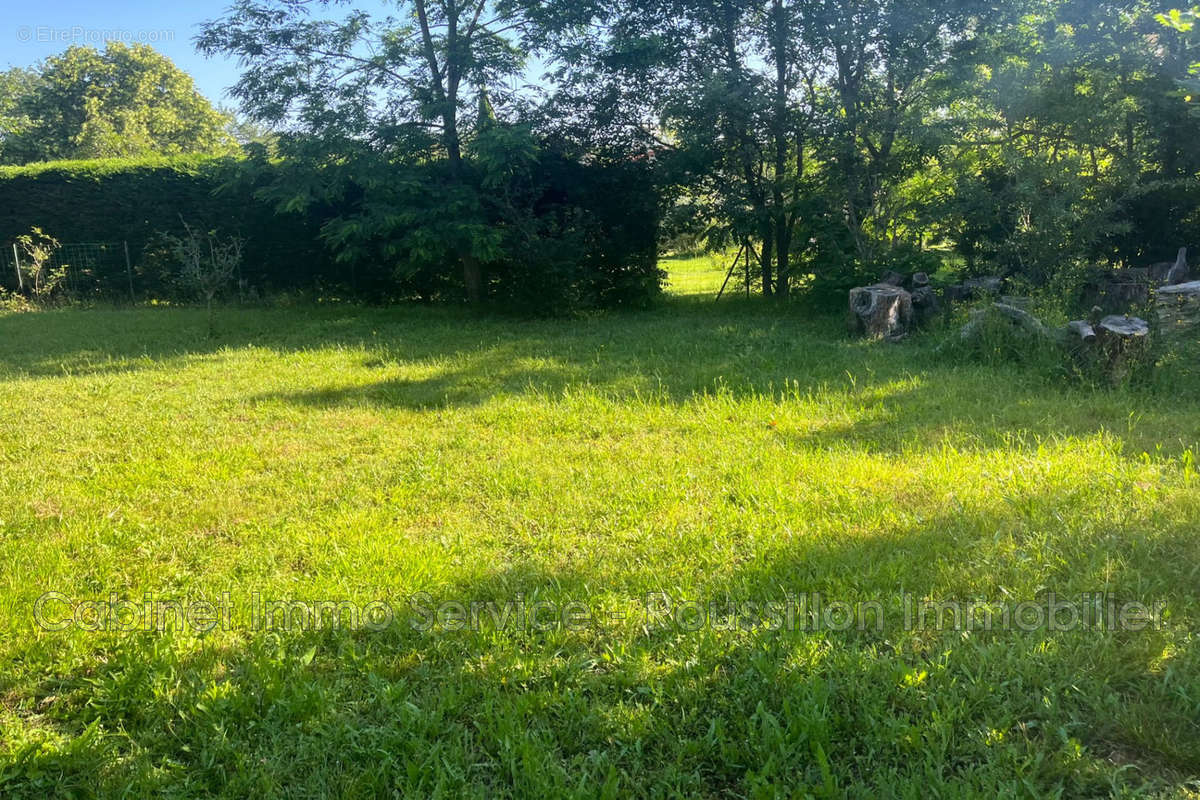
[925, 304]
[1124, 343]
[881, 312]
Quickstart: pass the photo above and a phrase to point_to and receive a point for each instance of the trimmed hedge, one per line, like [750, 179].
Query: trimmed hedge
[586, 238]
[121, 200]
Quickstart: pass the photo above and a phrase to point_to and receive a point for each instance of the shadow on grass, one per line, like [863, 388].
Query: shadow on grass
[446, 358]
[630, 709]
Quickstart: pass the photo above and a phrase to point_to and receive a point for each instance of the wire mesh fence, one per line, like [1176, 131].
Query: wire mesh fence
[83, 269]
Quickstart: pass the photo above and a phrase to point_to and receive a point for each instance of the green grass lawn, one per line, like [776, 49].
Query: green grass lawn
[714, 454]
[701, 276]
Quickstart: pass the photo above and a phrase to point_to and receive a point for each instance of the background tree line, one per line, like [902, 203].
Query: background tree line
[842, 139]
[1026, 138]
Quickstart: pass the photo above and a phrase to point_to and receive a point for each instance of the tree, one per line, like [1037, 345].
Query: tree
[37, 250]
[207, 264]
[798, 122]
[1184, 21]
[129, 100]
[250, 135]
[15, 84]
[1068, 149]
[364, 96]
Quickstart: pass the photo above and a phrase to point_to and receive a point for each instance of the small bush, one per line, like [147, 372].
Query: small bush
[996, 340]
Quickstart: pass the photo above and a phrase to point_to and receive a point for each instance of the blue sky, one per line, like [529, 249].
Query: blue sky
[31, 30]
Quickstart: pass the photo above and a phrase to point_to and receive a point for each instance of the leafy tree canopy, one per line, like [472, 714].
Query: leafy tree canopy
[129, 100]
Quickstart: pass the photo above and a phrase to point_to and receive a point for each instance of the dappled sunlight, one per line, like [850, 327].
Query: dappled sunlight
[387, 455]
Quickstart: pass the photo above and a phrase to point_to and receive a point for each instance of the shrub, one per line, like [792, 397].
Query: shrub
[207, 263]
[42, 278]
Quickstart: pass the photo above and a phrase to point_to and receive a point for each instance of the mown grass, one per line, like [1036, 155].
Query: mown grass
[701, 276]
[711, 452]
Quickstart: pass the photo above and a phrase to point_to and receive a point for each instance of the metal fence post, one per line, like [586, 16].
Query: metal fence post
[17, 262]
[129, 272]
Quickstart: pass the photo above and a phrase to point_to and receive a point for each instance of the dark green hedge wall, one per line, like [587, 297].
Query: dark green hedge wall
[133, 200]
[595, 243]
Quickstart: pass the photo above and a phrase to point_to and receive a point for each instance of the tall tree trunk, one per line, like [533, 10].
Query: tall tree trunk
[446, 94]
[783, 273]
[767, 259]
[779, 124]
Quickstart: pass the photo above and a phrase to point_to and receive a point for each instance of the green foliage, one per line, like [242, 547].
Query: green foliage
[15, 84]
[1029, 137]
[1184, 21]
[127, 101]
[206, 263]
[1070, 153]
[132, 200]
[14, 302]
[425, 200]
[42, 279]
[551, 235]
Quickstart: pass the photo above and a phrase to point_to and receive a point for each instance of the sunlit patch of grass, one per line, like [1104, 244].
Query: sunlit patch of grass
[699, 275]
[715, 453]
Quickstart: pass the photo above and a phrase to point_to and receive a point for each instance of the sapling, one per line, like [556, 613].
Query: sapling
[37, 250]
[207, 264]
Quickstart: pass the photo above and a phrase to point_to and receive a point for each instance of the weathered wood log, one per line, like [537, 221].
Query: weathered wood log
[1179, 273]
[1117, 344]
[925, 304]
[1118, 290]
[1083, 330]
[1170, 273]
[1022, 318]
[881, 312]
[1178, 309]
[990, 284]
[1023, 303]
[973, 289]
[891, 278]
[1124, 327]
[1018, 317]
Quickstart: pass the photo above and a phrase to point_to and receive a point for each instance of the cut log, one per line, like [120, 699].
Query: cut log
[891, 278]
[1125, 327]
[1178, 309]
[1179, 273]
[1023, 319]
[925, 304]
[1083, 330]
[1119, 345]
[881, 312]
[1019, 318]
[973, 289]
[1119, 290]
[992, 284]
